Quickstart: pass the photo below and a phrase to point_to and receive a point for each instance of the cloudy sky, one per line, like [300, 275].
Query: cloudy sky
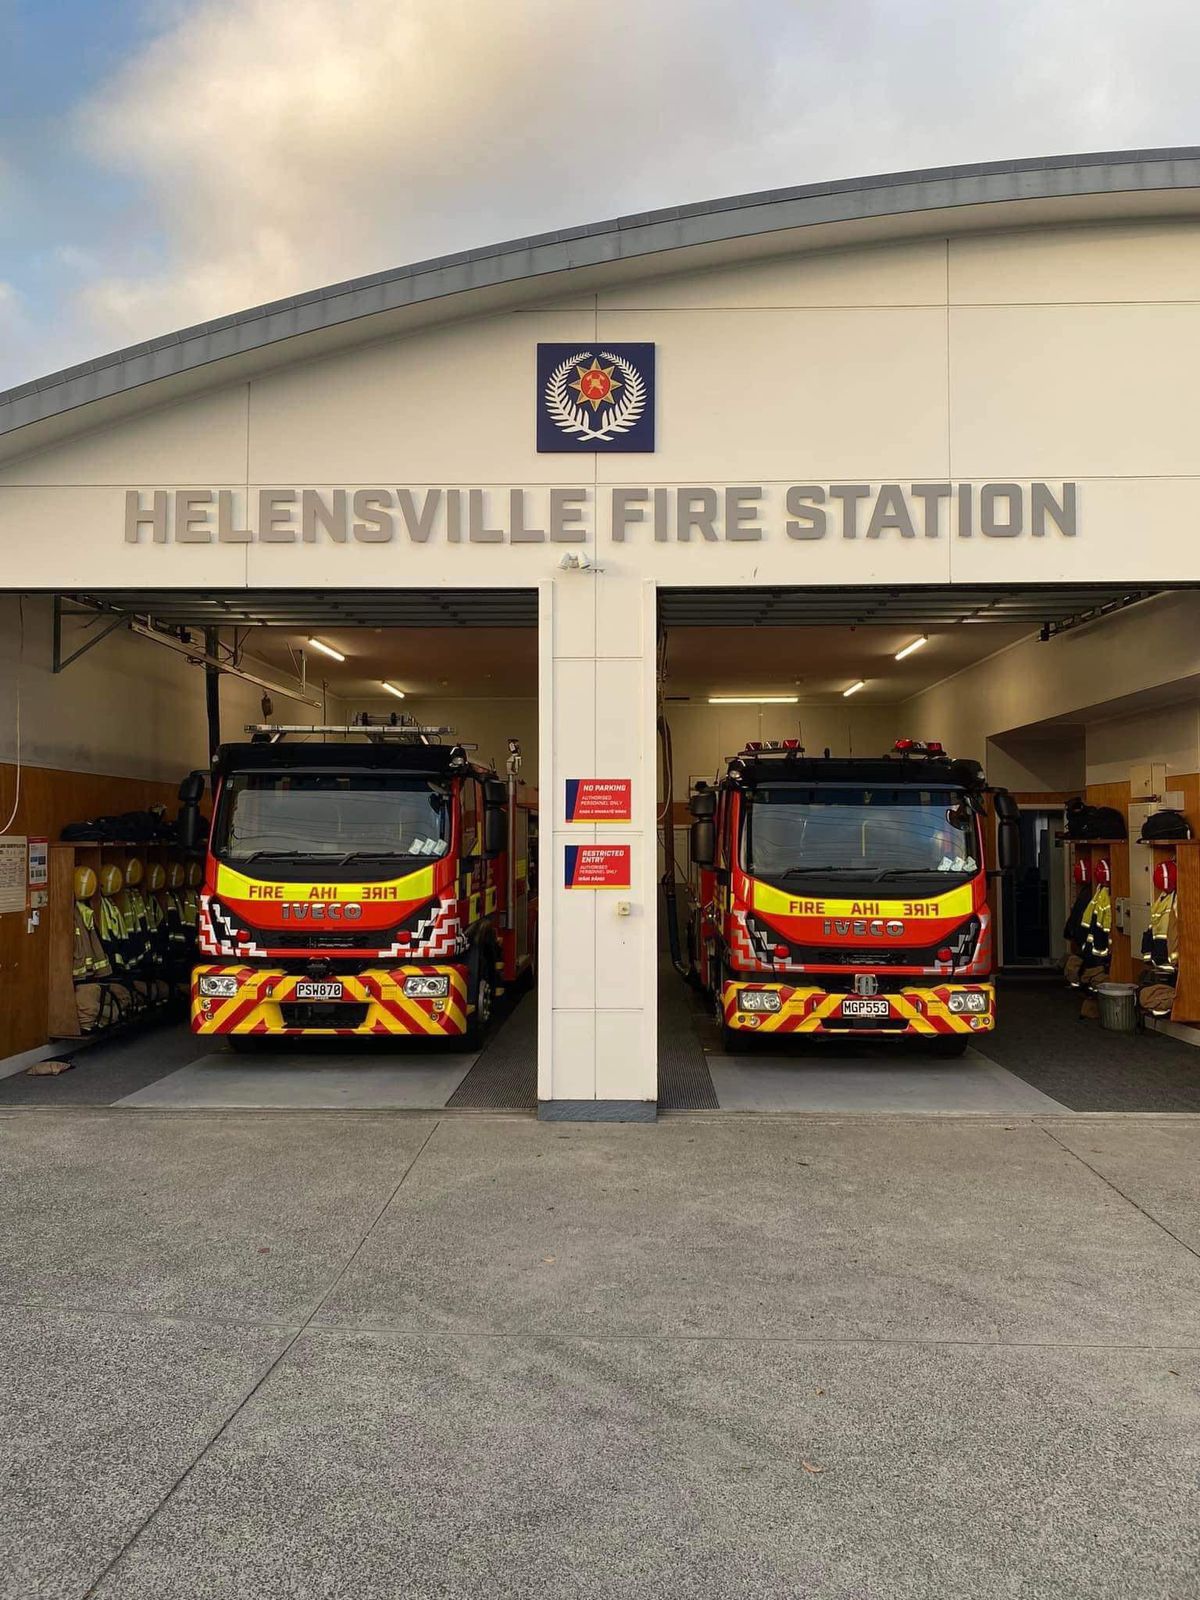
[163, 161]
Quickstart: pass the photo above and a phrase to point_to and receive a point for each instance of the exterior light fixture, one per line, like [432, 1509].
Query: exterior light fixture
[909, 648]
[854, 688]
[392, 689]
[327, 650]
[753, 699]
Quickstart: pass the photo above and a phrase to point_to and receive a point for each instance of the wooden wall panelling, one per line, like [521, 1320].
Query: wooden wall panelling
[49, 799]
[1187, 911]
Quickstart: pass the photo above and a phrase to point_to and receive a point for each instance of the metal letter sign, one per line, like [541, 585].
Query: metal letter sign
[595, 398]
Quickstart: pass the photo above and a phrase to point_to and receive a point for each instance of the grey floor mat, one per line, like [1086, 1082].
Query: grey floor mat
[504, 1078]
[865, 1082]
[346, 1081]
[684, 1080]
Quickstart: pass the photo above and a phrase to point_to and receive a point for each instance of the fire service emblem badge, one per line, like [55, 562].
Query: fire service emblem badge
[595, 397]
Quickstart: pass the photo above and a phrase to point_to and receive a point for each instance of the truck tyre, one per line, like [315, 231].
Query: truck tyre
[949, 1045]
[482, 998]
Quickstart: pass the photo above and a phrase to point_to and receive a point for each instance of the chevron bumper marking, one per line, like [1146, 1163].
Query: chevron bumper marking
[255, 1008]
[925, 1011]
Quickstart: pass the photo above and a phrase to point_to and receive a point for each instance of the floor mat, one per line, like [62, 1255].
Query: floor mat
[343, 1082]
[864, 1082]
[1041, 1037]
[504, 1078]
[684, 1080]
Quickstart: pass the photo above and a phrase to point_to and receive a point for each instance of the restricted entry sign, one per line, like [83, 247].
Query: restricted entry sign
[598, 866]
[599, 799]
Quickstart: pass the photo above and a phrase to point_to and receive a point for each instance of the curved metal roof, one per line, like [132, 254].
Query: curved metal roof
[521, 267]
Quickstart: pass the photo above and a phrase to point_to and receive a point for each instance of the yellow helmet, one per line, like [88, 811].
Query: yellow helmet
[134, 872]
[175, 875]
[85, 883]
[111, 879]
[195, 876]
[156, 878]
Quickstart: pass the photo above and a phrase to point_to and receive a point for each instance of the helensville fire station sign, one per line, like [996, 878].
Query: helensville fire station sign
[696, 514]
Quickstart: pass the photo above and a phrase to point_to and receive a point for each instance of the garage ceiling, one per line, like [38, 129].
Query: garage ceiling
[1053, 605]
[323, 608]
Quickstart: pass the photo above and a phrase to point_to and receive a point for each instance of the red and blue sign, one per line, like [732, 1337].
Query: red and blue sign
[595, 398]
[599, 800]
[598, 866]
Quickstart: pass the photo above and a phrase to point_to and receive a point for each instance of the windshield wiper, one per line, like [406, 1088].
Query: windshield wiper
[375, 855]
[268, 855]
[917, 872]
[800, 872]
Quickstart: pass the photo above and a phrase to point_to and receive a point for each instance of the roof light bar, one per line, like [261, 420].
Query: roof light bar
[753, 699]
[327, 649]
[909, 648]
[854, 688]
[392, 689]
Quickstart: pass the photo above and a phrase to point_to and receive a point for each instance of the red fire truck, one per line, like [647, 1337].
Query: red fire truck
[380, 886]
[842, 897]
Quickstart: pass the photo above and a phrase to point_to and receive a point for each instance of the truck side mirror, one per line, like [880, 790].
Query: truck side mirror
[495, 830]
[703, 842]
[703, 803]
[1008, 844]
[1008, 832]
[189, 824]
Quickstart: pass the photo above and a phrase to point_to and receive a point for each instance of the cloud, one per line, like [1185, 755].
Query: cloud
[266, 147]
[285, 143]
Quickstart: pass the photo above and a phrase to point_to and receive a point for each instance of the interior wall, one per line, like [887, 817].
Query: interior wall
[487, 723]
[703, 736]
[129, 708]
[1145, 647]
[1166, 733]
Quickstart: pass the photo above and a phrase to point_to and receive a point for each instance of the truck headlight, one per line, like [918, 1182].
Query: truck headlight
[218, 988]
[436, 987]
[758, 1000]
[973, 1000]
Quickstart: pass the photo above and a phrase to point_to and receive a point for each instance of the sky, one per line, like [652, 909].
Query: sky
[166, 161]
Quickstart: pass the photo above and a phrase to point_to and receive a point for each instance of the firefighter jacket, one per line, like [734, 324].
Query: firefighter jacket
[1097, 926]
[1160, 942]
[112, 933]
[1075, 927]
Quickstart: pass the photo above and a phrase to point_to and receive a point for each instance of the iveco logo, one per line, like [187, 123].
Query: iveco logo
[875, 929]
[321, 911]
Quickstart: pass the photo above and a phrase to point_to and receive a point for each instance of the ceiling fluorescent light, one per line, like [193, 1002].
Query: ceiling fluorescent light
[392, 689]
[327, 650]
[753, 699]
[854, 688]
[909, 648]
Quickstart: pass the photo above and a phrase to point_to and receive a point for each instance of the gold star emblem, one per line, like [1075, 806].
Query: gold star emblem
[595, 385]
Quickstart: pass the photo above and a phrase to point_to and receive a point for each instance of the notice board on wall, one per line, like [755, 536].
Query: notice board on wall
[14, 871]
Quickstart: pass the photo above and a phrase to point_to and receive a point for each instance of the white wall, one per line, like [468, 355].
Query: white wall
[1145, 647]
[1164, 733]
[703, 736]
[129, 708]
[488, 723]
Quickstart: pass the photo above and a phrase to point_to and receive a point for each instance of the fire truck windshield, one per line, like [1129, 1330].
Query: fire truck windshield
[331, 816]
[791, 832]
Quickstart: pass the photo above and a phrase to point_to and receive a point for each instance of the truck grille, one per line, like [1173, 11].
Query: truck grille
[313, 1014]
[877, 957]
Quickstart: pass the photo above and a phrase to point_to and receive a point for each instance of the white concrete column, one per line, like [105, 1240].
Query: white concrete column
[597, 969]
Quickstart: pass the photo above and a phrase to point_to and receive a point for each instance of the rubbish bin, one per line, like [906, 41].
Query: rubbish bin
[1118, 1006]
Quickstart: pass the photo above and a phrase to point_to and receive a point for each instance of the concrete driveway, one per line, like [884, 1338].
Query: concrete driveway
[369, 1355]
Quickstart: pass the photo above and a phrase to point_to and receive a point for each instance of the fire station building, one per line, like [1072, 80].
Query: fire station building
[903, 457]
